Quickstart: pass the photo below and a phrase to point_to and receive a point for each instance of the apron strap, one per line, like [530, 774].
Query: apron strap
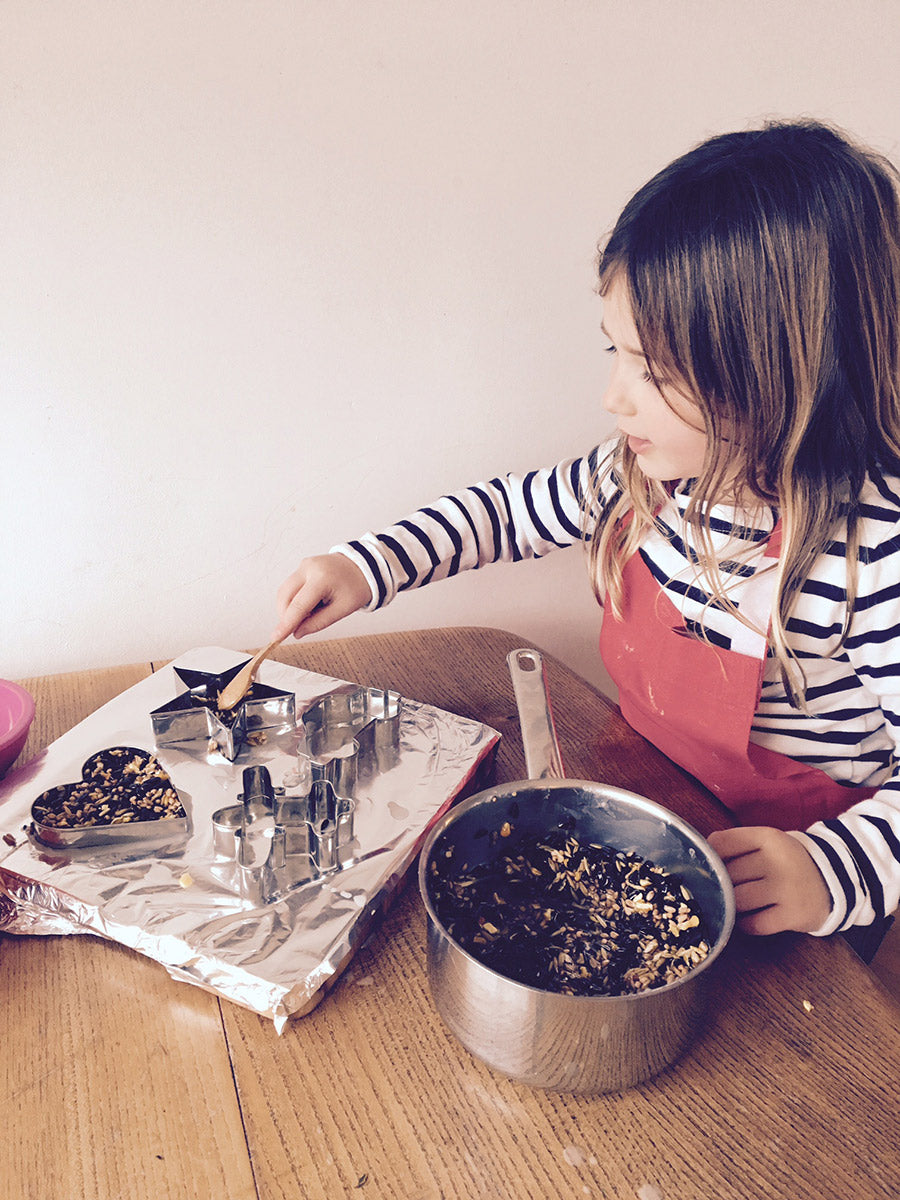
[756, 606]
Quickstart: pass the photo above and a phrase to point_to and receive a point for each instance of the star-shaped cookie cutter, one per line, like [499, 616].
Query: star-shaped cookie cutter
[194, 714]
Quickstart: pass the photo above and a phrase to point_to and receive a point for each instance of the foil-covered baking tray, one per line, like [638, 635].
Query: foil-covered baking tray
[268, 929]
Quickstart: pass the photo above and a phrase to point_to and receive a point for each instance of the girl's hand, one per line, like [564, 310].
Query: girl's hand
[321, 591]
[777, 885]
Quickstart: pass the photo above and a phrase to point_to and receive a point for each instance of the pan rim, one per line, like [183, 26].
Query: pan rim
[651, 807]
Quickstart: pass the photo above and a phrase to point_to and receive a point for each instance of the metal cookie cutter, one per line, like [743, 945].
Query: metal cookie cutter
[274, 842]
[194, 714]
[348, 735]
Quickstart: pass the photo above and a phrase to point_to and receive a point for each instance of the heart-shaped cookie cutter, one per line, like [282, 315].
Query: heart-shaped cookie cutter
[154, 830]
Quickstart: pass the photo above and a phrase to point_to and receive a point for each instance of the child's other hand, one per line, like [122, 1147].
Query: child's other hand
[777, 885]
[321, 591]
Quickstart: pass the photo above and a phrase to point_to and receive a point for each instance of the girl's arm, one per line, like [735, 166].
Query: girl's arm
[858, 853]
[842, 872]
[507, 519]
[856, 856]
[836, 874]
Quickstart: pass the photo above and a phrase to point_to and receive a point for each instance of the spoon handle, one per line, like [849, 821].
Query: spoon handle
[264, 653]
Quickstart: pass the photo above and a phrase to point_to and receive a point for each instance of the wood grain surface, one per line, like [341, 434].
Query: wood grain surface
[116, 1081]
[120, 1082]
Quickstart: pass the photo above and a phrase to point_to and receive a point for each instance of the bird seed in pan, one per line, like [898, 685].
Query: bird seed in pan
[569, 916]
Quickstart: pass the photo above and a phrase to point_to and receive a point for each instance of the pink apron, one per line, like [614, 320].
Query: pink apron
[696, 702]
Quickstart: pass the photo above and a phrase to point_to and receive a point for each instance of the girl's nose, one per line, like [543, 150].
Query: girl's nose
[615, 397]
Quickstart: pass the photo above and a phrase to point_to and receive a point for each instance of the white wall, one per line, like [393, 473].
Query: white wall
[272, 273]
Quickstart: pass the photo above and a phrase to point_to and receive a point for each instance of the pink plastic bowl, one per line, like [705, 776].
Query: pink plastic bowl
[16, 715]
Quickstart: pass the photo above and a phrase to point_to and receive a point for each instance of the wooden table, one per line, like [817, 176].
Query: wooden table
[119, 1082]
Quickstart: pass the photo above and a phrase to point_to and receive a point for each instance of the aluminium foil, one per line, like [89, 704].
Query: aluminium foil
[178, 902]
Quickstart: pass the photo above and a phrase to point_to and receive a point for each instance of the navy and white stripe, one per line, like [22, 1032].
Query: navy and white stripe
[851, 729]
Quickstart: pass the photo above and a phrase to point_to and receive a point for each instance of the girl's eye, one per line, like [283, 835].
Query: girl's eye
[646, 375]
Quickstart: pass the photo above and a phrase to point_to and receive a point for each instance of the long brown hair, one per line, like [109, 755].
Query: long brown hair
[763, 272]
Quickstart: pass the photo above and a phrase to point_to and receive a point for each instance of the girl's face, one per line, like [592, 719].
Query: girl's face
[664, 428]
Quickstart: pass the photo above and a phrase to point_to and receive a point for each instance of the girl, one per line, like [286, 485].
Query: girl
[743, 528]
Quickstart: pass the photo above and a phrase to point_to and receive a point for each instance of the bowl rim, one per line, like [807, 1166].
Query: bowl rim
[22, 717]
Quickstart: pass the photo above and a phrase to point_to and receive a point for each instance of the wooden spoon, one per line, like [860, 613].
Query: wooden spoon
[235, 690]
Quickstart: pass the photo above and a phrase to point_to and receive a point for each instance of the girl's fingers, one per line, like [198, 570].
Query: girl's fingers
[321, 591]
[286, 594]
[764, 921]
[746, 869]
[731, 844]
[299, 613]
[754, 895]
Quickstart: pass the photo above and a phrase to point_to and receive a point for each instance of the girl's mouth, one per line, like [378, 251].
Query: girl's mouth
[638, 445]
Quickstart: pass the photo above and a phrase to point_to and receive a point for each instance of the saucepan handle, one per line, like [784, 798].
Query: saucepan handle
[542, 757]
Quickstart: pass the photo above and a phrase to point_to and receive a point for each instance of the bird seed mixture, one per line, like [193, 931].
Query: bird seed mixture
[572, 917]
[227, 716]
[118, 786]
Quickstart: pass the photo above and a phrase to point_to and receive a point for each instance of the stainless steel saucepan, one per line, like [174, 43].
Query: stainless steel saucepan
[586, 1044]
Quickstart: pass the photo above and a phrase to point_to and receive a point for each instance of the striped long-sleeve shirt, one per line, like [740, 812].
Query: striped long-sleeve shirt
[851, 726]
